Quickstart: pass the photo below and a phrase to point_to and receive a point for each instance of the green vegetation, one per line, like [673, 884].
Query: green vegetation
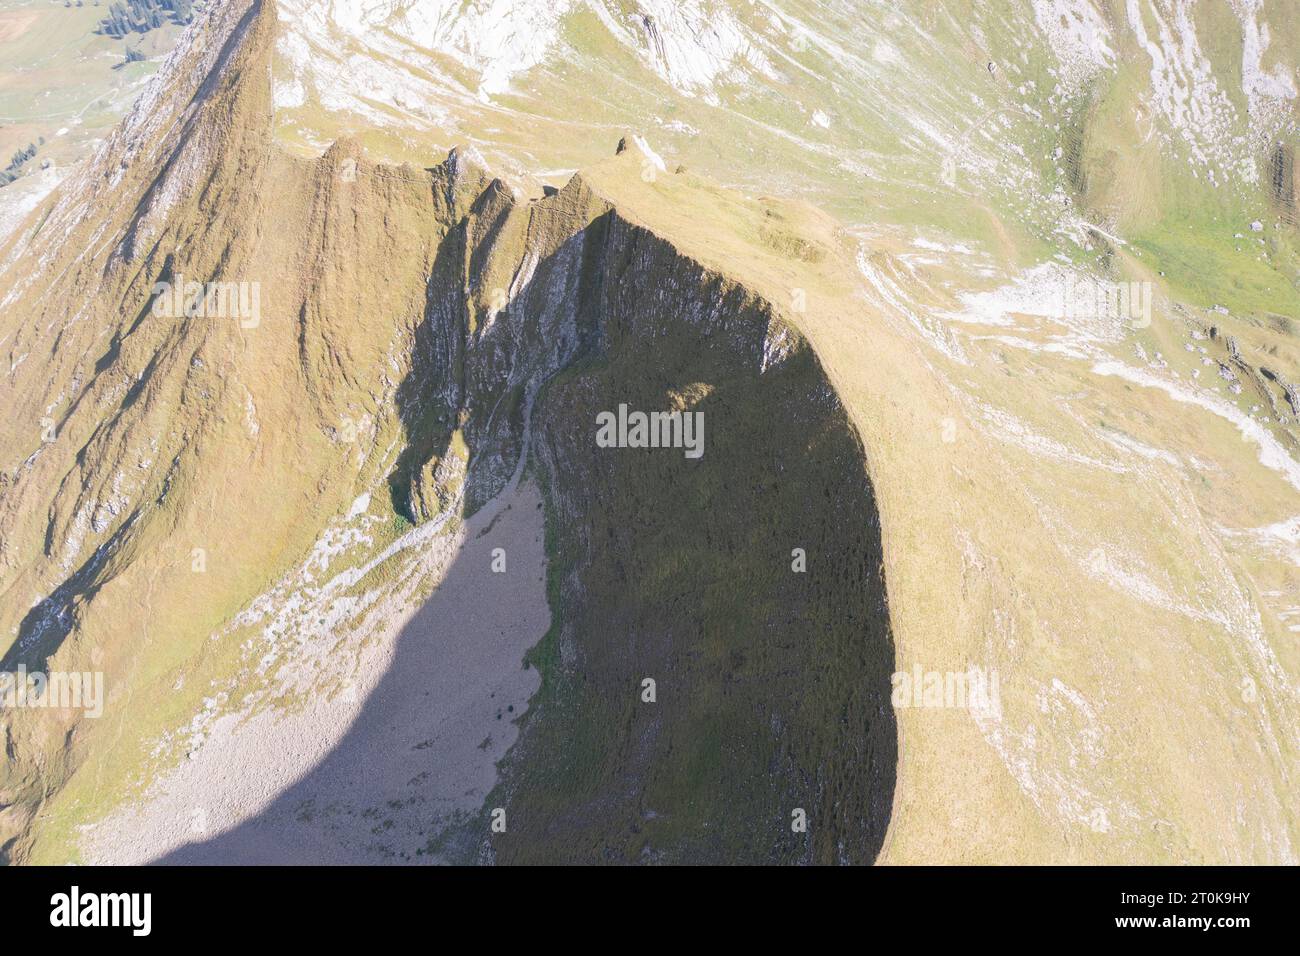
[1208, 265]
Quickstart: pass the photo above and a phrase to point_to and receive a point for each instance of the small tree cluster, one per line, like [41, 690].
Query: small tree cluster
[141, 16]
[12, 171]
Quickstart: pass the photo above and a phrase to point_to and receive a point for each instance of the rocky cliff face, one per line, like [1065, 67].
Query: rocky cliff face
[747, 584]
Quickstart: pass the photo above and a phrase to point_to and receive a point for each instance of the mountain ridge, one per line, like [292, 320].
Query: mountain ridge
[409, 319]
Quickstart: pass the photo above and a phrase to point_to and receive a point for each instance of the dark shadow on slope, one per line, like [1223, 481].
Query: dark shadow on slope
[772, 681]
[47, 625]
[773, 684]
[429, 398]
[419, 758]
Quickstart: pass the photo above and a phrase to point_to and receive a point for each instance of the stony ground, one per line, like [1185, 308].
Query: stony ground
[372, 775]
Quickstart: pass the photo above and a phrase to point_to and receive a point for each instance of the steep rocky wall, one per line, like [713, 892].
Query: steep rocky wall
[771, 683]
